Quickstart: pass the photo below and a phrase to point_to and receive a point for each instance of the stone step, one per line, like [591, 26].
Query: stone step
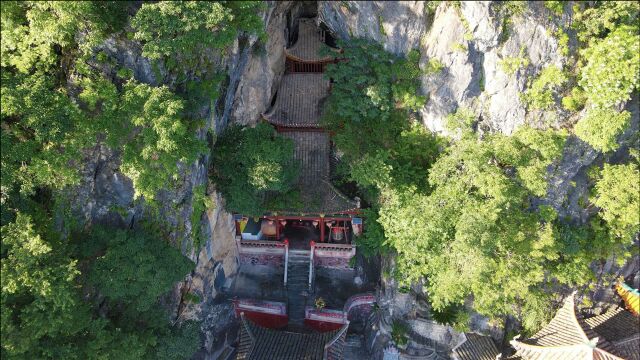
[305, 253]
[299, 261]
[354, 348]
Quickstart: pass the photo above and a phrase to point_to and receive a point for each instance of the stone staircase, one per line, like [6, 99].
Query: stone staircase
[354, 348]
[297, 286]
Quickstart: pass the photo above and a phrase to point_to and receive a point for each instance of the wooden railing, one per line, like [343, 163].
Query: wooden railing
[311, 265]
[358, 300]
[334, 349]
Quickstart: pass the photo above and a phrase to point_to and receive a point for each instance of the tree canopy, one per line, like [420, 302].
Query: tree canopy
[253, 167]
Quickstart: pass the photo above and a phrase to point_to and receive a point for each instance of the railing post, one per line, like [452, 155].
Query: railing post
[313, 247]
[286, 260]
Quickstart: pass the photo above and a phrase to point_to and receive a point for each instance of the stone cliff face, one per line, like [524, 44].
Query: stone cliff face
[469, 41]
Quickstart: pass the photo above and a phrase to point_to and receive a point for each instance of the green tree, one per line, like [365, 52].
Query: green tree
[617, 194]
[40, 302]
[611, 72]
[136, 268]
[183, 33]
[179, 343]
[34, 32]
[42, 134]
[602, 127]
[476, 233]
[162, 140]
[374, 93]
[613, 68]
[541, 92]
[251, 166]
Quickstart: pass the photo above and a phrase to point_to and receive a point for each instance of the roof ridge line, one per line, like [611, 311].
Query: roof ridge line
[339, 193]
[576, 317]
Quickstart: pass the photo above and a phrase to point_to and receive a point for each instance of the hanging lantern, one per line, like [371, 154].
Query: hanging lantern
[283, 222]
[315, 223]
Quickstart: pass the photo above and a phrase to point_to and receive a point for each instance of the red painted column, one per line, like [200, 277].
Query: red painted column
[277, 229]
[321, 229]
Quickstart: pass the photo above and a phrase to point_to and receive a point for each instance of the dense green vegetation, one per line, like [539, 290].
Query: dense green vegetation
[466, 214]
[607, 68]
[254, 169]
[374, 93]
[88, 298]
[69, 290]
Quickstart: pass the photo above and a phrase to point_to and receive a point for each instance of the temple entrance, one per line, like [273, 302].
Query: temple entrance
[300, 233]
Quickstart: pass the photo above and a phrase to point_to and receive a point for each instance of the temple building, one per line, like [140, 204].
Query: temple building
[613, 335]
[295, 292]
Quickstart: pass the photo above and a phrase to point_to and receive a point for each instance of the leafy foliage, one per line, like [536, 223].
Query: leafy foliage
[601, 128]
[575, 101]
[184, 32]
[617, 193]
[39, 297]
[252, 164]
[512, 64]
[164, 139]
[555, 6]
[32, 31]
[475, 232]
[42, 134]
[541, 91]
[373, 93]
[56, 104]
[593, 23]
[613, 68]
[136, 268]
[179, 343]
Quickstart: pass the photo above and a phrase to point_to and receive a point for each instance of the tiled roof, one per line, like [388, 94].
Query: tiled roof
[317, 195]
[577, 352]
[476, 347]
[615, 324]
[628, 348]
[567, 336]
[621, 329]
[310, 42]
[299, 100]
[258, 343]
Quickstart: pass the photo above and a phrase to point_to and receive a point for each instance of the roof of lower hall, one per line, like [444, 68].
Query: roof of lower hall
[309, 44]
[299, 100]
[476, 347]
[567, 336]
[258, 343]
[312, 151]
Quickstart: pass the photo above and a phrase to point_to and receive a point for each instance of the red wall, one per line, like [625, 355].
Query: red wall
[267, 320]
[322, 326]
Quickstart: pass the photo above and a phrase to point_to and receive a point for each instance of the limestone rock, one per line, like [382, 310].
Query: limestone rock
[398, 25]
[264, 69]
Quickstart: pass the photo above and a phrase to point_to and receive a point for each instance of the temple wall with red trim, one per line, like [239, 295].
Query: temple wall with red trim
[268, 314]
